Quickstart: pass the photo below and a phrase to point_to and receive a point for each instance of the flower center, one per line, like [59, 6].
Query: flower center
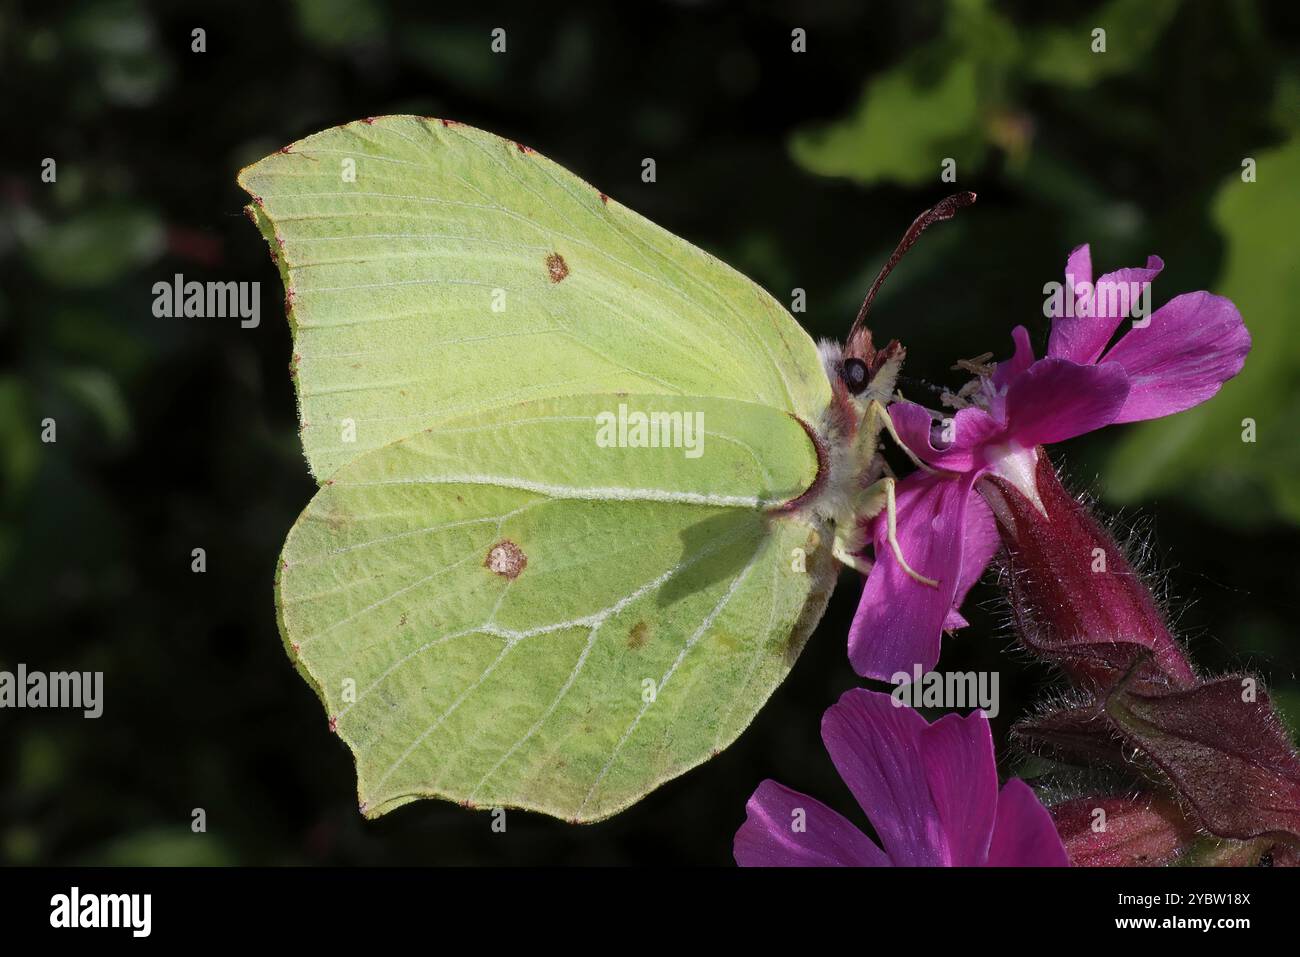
[1017, 465]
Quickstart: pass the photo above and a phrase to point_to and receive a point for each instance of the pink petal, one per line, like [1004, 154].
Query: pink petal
[979, 543]
[1194, 344]
[963, 780]
[1024, 835]
[769, 837]
[1021, 359]
[1078, 266]
[899, 620]
[970, 428]
[929, 790]
[912, 422]
[1078, 272]
[1081, 339]
[1056, 399]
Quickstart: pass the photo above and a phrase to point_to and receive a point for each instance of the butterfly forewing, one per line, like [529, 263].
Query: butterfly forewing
[432, 269]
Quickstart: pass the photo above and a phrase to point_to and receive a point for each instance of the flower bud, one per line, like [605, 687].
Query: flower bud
[1218, 780]
[1223, 748]
[1136, 831]
[1074, 597]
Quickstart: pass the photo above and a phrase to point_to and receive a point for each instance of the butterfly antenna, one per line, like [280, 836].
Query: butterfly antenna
[944, 209]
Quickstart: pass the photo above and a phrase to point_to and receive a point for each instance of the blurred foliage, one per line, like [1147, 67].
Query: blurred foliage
[1261, 274]
[92, 247]
[962, 94]
[799, 169]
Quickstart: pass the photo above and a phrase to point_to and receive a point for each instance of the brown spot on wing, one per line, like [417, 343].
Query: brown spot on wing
[506, 559]
[556, 267]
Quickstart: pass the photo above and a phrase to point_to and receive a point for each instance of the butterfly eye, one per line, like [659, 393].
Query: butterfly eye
[855, 375]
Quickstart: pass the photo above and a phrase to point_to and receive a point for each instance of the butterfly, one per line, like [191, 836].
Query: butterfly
[584, 488]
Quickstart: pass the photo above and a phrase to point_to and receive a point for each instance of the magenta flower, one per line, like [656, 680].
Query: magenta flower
[929, 790]
[1167, 362]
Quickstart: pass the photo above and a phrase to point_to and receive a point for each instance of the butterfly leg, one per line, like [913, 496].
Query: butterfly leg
[891, 517]
[878, 497]
[843, 554]
[881, 416]
[850, 535]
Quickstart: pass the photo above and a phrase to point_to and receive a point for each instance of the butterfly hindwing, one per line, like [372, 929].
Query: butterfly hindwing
[506, 610]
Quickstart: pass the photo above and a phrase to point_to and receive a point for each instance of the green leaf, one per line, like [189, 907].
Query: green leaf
[20, 446]
[500, 611]
[1200, 454]
[334, 24]
[97, 393]
[960, 94]
[92, 248]
[935, 104]
[161, 847]
[901, 128]
[1064, 56]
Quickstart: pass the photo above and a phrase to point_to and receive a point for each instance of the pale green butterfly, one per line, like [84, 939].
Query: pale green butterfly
[585, 488]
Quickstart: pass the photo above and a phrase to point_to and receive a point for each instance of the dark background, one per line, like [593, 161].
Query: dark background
[799, 169]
